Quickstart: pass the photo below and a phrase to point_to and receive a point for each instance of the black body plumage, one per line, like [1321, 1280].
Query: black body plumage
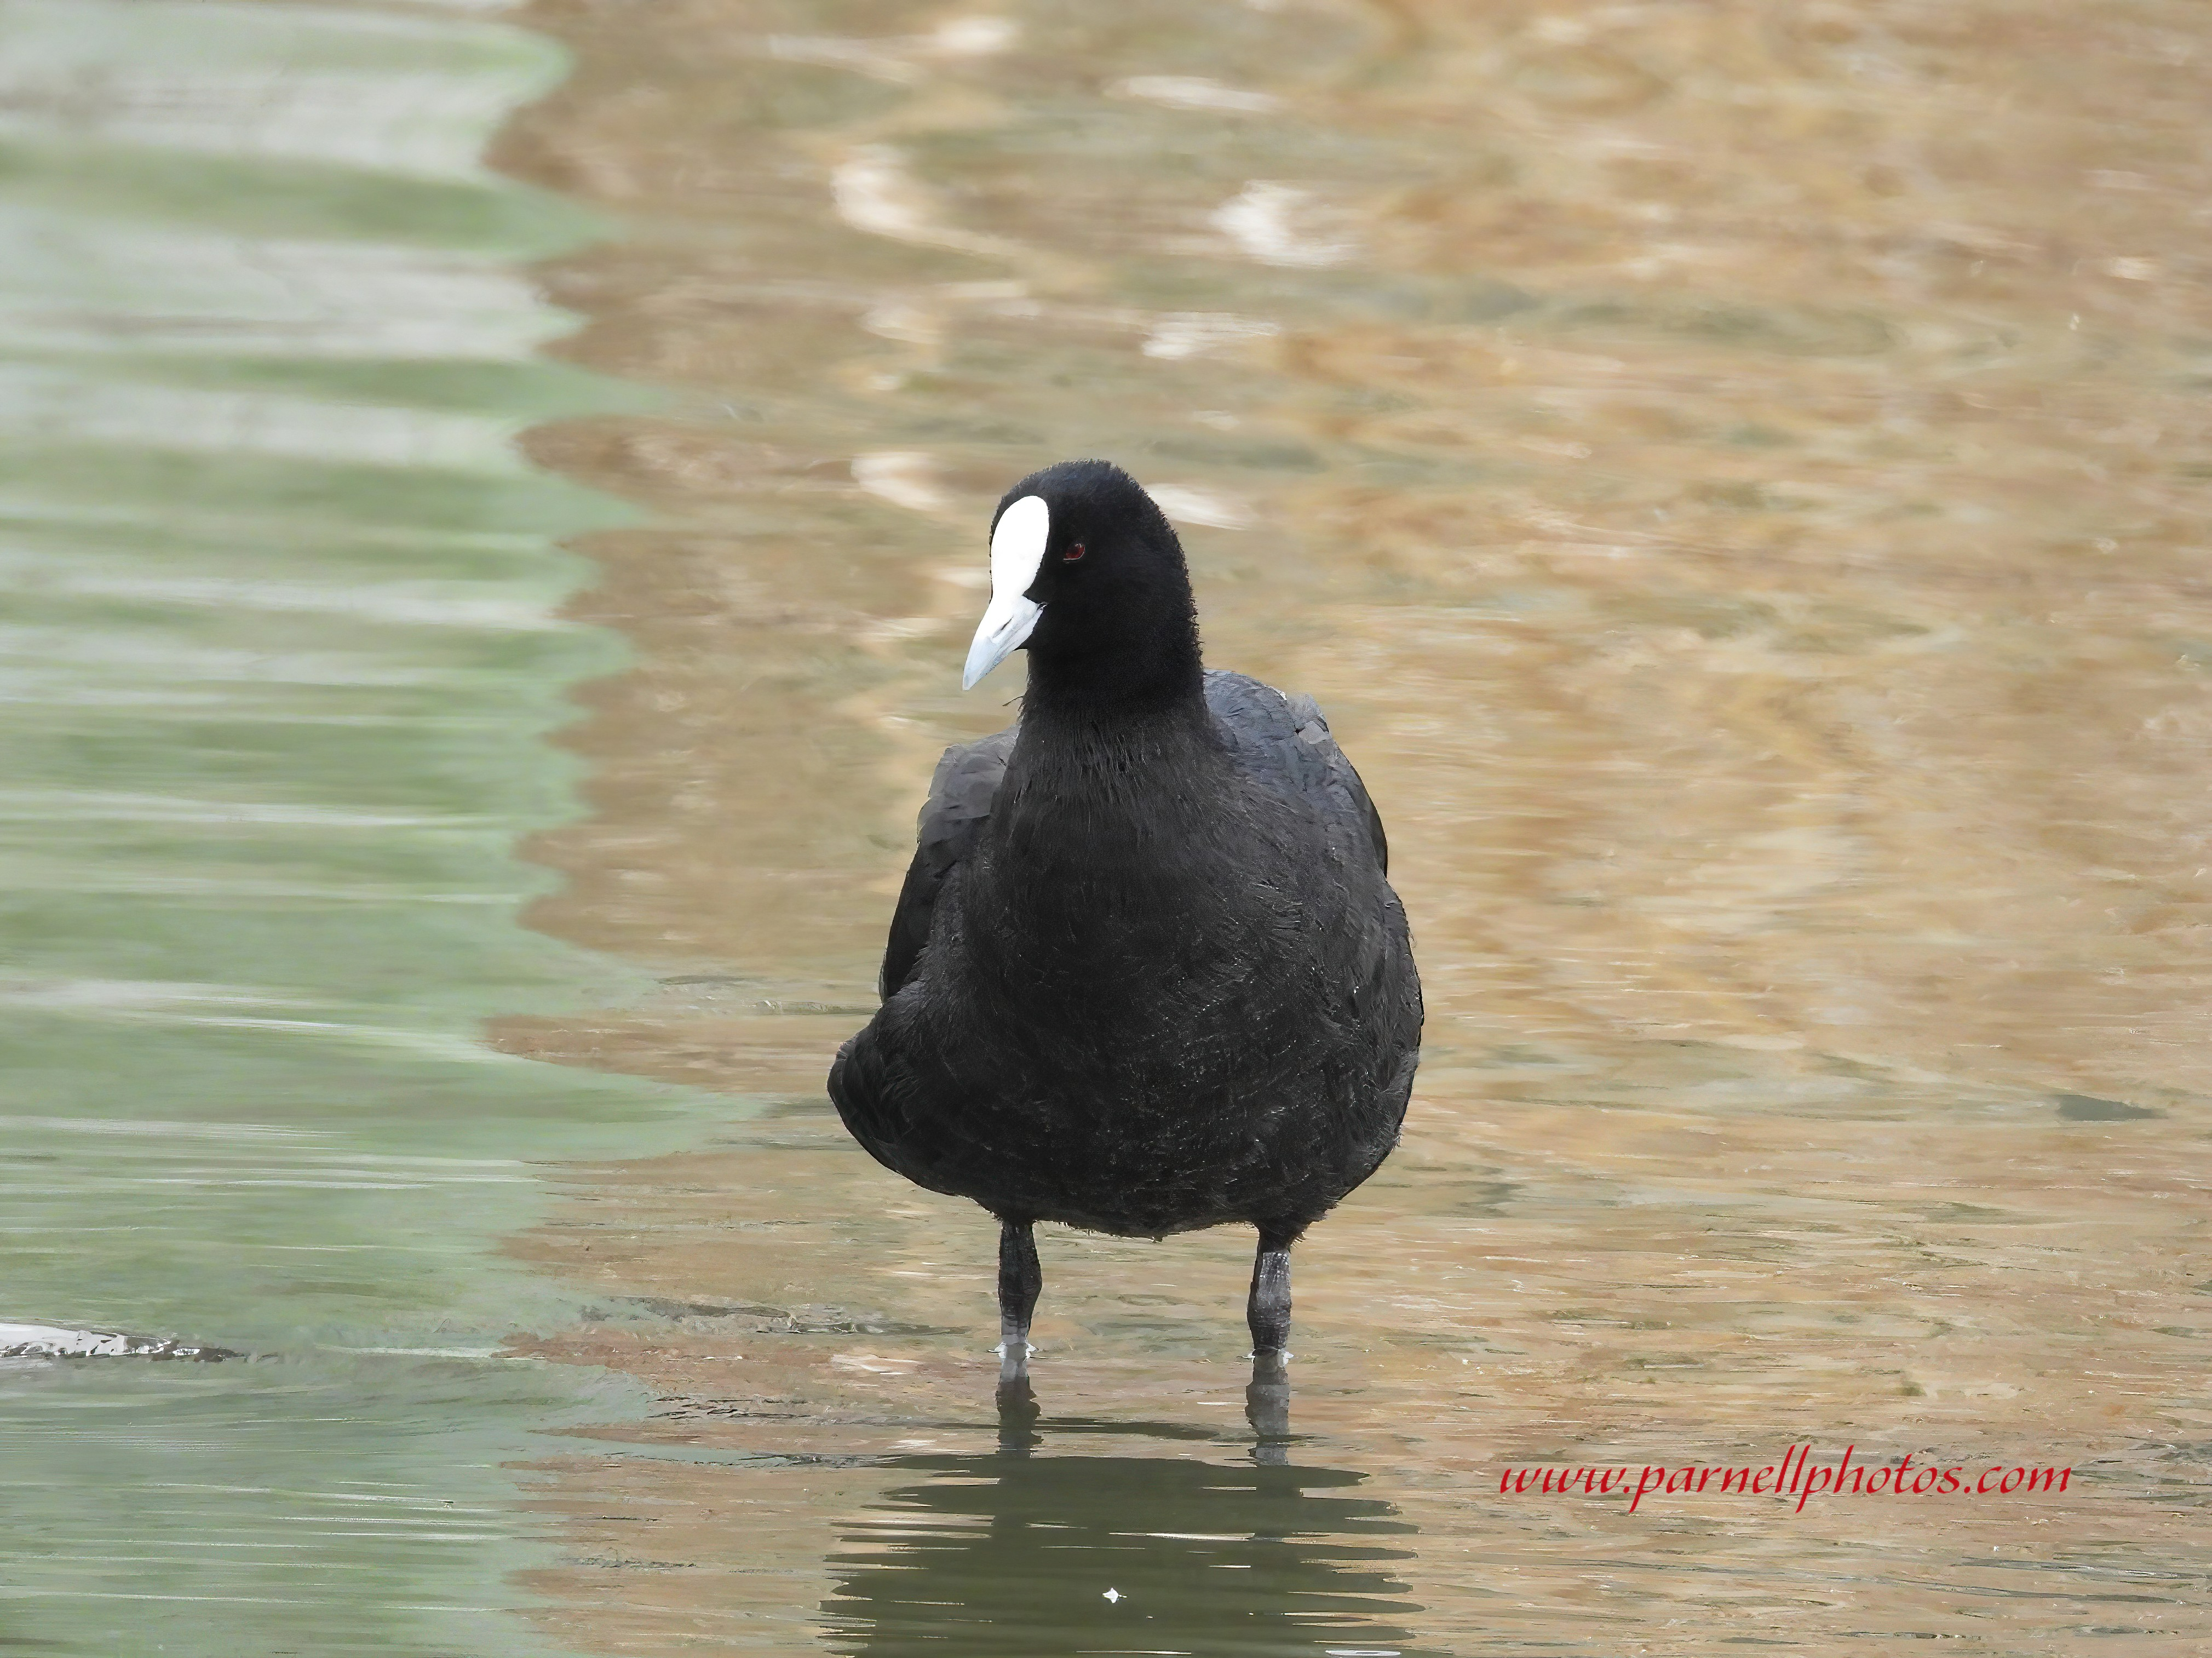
[1146, 973]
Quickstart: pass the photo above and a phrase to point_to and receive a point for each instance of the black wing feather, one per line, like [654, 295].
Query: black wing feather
[959, 803]
[1284, 741]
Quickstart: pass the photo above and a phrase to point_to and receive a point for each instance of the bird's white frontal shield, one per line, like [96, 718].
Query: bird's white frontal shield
[1017, 547]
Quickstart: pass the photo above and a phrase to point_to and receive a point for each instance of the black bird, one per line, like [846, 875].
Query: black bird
[1145, 973]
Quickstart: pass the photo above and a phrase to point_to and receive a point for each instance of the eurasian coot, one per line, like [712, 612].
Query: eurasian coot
[1145, 973]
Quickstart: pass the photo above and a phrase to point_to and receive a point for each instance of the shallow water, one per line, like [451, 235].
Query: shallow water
[283, 647]
[1736, 479]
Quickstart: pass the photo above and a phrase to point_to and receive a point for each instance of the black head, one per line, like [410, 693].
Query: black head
[1087, 575]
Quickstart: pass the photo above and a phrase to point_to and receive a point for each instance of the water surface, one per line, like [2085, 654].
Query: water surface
[1736, 479]
[283, 649]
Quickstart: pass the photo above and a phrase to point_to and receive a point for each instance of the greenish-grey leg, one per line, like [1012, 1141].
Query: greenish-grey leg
[1267, 1396]
[1020, 1279]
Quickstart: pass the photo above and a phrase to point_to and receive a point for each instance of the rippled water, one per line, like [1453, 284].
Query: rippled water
[1736, 477]
[283, 645]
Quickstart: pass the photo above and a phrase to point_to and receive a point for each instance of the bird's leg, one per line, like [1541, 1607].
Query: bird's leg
[1020, 1279]
[1267, 1396]
[1268, 1311]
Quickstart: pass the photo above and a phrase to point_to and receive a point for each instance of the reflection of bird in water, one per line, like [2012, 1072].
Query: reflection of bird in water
[1145, 973]
[1001, 1557]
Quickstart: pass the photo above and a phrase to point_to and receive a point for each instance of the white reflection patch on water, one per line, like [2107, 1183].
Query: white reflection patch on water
[192, 1006]
[876, 192]
[1189, 504]
[1181, 334]
[45, 1341]
[1278, 224]
[50, 805]
[1194, 92]
[395, 603]
[73, 283]
[900, 58]
[51, 404]
[905, 478]
[252, 80]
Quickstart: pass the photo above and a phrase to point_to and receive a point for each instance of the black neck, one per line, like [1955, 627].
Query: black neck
[1107, 688]
[1089, 721]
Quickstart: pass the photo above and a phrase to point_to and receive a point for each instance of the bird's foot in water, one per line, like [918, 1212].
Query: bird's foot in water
[1267, 1405]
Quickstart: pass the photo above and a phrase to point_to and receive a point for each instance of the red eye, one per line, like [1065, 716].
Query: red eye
[1073, 553]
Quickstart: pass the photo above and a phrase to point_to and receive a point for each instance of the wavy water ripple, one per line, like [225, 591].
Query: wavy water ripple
[283, 644]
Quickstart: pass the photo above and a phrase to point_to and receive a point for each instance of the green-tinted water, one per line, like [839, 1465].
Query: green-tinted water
[283, 647]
